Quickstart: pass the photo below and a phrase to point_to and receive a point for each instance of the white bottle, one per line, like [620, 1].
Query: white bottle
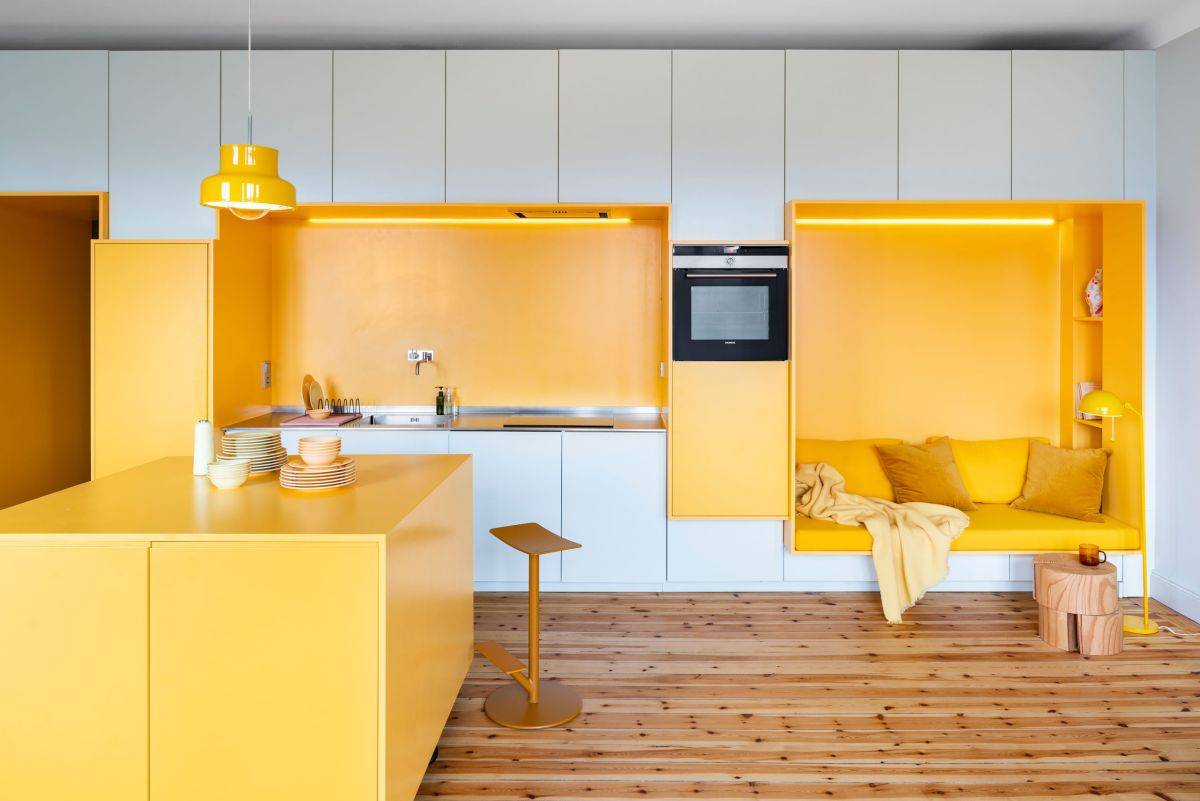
[202, 448]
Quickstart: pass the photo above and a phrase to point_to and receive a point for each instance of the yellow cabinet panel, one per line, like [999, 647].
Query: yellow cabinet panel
[729, 439]
[150, 346]
[264, 672]
[73, 672]
[430, 627]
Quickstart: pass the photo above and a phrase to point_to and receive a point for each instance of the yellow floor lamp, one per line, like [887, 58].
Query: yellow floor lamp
[1105, 404]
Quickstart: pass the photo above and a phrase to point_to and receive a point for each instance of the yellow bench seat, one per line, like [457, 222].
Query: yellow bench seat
[993, 527]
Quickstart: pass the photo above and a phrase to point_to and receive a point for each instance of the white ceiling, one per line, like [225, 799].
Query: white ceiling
[1004, 24]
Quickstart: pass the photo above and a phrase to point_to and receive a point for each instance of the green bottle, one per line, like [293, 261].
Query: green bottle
[441, 400]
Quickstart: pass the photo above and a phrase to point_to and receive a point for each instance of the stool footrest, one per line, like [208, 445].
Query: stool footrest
[499, 656]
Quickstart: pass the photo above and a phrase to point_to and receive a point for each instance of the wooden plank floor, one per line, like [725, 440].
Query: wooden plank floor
[813, 696]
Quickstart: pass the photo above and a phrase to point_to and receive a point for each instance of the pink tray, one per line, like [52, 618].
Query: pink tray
[332, 421]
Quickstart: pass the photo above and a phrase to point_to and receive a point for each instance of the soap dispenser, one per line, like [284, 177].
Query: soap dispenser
[441, 401]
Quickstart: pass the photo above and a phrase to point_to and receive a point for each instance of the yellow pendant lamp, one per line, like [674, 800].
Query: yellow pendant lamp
[248, 183]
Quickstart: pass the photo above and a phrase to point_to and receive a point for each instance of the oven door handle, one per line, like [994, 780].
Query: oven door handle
[714, 277]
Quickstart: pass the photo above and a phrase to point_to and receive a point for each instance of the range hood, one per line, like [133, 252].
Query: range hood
[560, 214]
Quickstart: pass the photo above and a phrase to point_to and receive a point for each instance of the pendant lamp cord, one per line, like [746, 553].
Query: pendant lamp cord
[249, 73]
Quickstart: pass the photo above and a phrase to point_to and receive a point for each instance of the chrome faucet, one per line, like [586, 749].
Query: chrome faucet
[419, 357]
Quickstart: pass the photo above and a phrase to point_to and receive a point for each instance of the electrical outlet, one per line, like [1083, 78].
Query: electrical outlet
[420, 355]
[265, 375]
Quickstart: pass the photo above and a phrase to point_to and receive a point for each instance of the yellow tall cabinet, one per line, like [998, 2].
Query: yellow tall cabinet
[151, 353]
[729, 440]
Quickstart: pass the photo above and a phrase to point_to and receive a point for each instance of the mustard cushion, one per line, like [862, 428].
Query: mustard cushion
[855, 459]
[993, 470]
[1064, 481]
[993, 527]
[925, 473]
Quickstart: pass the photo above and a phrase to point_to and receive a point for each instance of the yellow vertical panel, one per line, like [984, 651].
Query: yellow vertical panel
[264, 669]
[1066, 333]
[430, 626]
[729, 439]
[150, 349]
[1124, 264]
[73, 673]
[241, 320]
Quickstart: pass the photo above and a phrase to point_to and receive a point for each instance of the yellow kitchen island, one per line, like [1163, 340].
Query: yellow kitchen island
[161, 639]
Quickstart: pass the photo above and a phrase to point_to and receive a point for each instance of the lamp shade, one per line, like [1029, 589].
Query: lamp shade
[248, 183]
[1102, 403]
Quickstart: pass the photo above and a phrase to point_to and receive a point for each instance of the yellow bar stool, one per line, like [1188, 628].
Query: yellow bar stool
[530, 703]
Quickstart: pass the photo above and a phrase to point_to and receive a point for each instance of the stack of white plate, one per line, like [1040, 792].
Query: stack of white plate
[229, 473]
[295, 474]
[319, 450]
[262, 448]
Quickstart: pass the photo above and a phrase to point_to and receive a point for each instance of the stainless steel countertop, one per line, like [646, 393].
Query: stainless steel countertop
[480, 419]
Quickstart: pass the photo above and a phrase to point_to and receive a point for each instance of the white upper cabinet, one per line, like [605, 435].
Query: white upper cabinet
[1068, 113]
[389, 126]
[293, 112]
[1140, 105]
[841, 124]
[164, 132]
[54, 132]
[614, 126]
[727, 144]
[955, 137]
[502, 126]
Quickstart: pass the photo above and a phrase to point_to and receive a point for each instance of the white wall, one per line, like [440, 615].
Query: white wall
[1176, 562]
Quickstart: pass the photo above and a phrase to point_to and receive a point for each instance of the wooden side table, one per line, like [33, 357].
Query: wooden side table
[530, 703]
[1078, 607]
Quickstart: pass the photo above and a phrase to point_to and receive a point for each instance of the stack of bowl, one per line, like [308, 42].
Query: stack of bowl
[229, 473]
[319, 450]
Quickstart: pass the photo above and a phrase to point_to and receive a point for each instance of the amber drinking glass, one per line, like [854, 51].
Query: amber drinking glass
[1091, 555]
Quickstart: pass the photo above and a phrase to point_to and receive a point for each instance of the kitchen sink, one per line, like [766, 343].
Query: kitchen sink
[394, 420]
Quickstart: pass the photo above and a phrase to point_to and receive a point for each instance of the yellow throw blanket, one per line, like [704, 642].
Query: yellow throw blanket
[911, 540]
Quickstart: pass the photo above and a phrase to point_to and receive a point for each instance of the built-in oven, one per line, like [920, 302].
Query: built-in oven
[729, 303]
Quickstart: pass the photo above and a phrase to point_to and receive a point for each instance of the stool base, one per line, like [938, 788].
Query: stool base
[509, 706]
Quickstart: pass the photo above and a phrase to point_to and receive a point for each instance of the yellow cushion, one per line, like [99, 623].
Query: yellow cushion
[992, 469]
[1064, 481]
[925, 473]
[855, 459]
[993, 527]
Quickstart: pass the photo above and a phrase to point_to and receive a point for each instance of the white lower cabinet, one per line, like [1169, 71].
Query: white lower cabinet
[416, 442]
[724, 550]
[823, 567]
[614, 501]
[517, 477]
[975, 567]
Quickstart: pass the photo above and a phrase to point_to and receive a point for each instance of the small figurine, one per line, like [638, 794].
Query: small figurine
[1093, 293]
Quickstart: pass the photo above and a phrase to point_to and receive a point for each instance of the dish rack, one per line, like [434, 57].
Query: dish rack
[342, 405]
